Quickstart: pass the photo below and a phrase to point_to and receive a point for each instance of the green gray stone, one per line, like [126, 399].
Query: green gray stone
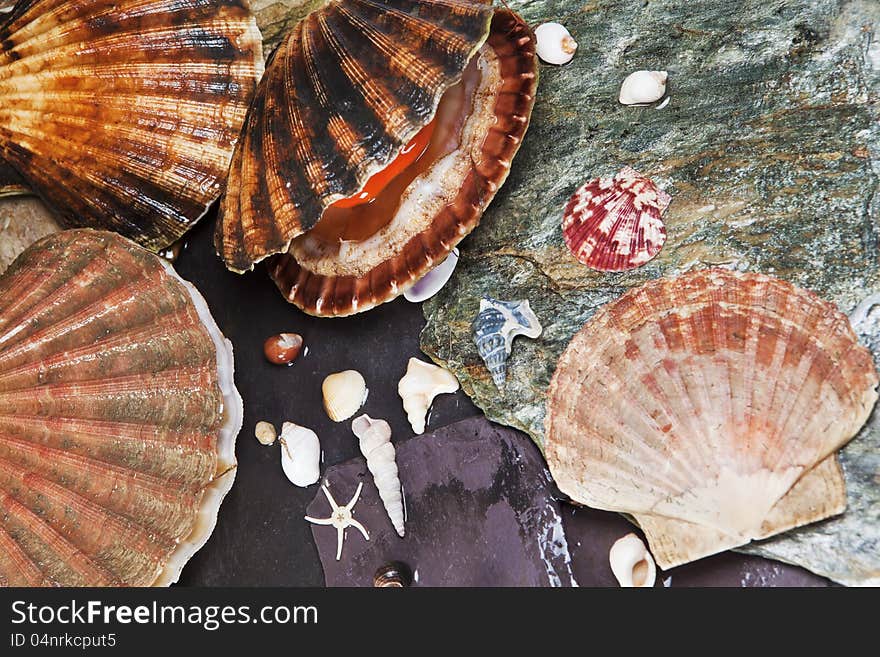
[770, 148]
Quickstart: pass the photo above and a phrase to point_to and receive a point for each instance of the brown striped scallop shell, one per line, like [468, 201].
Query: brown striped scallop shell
[123, 114]
[710, 407]
[342, 96]
[118, 416]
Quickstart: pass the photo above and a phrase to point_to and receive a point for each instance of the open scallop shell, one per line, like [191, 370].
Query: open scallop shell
[614, 224]
[118, 416]
[342, 96]
[710, 407]
[123, 115]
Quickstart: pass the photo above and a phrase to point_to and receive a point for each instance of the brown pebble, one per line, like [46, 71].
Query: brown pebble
[283, 349]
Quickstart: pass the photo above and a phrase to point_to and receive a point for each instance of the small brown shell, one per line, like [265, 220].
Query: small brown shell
[393, 575]
[123, 115]
[283, 349]
[512, 49]
[710, 407]
[118, 416]
[345, 91]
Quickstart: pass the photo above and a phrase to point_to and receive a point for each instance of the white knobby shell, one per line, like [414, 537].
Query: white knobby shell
[643, 87]
[422, 382]
[432, 282]
[555, 44]
[265, 433]
[631, 563]
[344, 394]
[300, 454]
[376, 446]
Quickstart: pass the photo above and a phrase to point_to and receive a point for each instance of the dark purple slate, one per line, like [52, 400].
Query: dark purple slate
[480, 512]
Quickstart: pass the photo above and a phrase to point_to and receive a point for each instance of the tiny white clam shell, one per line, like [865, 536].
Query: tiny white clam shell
[300, 454]
[555, 44]
[432, 282]
[344, 394]
[631, 563]
[374, 438]
[643, 87]
[423, 382]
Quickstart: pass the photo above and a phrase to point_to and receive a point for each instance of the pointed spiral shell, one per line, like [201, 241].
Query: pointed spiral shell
[375, 443]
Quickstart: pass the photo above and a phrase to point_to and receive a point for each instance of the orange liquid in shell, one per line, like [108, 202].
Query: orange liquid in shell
[379, 181]
[360, 216]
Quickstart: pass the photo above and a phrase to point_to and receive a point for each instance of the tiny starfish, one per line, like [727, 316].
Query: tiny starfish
[341, 518]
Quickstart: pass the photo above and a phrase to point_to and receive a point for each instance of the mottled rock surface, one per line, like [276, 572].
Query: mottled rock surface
[480, 512]
[277, 17]
[23, 220]
[770, 147]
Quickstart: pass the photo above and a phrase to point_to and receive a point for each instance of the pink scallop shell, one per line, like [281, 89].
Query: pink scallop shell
[614, 224]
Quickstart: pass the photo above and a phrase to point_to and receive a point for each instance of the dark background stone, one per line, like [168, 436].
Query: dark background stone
[261, 538]
[479, 513]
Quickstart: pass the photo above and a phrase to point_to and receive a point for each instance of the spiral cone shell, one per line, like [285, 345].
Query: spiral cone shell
[375, 442]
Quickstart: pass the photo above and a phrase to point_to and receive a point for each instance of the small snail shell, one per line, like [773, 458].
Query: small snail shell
[344, 393]
[392, 575]
[555, 43]
[631, 563]
[643, 87]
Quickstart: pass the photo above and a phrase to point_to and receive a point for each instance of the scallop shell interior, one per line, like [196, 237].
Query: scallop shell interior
[456, 65]
[123, 114]
[345, 91]
[710, 407]
[118, 416]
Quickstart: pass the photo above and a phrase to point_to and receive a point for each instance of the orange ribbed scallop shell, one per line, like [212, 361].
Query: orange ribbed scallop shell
[118, 416]
[342, 96]
[123, 114]
[710, 407]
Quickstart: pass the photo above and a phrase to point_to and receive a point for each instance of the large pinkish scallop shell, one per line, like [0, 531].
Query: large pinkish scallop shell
[118, 416]
[709, 407]
[614, 224]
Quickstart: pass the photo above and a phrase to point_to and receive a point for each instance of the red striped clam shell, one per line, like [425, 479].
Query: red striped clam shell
[118, 416]
[614, 224]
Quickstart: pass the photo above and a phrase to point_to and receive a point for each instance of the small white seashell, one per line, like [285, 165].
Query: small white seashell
[432, 282]
[300, 454]
[376, 446]
[631, 563]
[555, 43]
[344, 394]
[265, 433]
[423, 382]
[643, 87]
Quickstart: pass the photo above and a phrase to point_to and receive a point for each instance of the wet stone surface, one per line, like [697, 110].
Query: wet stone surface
[480, 512]
[770, 148]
